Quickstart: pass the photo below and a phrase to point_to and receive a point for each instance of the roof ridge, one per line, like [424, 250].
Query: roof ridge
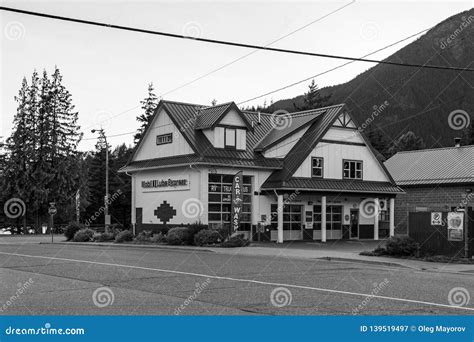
[183, 103]
[320, 108]
[436, 149]
[220, 105]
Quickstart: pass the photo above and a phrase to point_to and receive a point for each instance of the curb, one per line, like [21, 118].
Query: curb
[371, 262]
[177, 248]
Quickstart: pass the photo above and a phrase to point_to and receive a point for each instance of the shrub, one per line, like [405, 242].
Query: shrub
[236, 241]
[223, 233]
[158, 238]
[179, 236]
[124, 235]
[144, 236]
[401, 246]
[207, 237]
[102, 237]
[83, 235]
[71, 230]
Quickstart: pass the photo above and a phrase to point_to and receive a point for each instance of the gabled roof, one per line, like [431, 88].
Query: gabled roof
[433, 166]
[209, 117]
[295, 123]
[302, 149]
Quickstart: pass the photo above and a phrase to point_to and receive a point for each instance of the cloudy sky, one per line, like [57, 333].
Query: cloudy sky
[107, 70]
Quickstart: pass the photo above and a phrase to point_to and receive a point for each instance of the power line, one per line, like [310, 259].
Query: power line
[254, 51]
[230, 43]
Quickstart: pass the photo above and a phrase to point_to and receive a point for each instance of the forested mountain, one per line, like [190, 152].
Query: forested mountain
[417, 100]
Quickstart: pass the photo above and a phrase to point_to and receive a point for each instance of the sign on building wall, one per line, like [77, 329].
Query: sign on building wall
[455, 226]
[237, 199]
[436, 218]
[166, 184]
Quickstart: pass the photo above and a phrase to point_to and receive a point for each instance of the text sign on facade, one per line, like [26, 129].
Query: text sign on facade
[436, 218]
[168, 184]
[455, 226]
[237, 199]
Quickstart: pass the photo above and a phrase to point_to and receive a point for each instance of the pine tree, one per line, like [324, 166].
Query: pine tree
[148, 106]
[313, 99]
[408, 141]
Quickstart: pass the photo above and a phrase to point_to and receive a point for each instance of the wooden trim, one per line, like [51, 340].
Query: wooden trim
[230, 147]
[329, 141]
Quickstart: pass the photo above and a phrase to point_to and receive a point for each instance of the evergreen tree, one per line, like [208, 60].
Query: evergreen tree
[380, 142]
[148, 105]
[468, 135]
[313, 99]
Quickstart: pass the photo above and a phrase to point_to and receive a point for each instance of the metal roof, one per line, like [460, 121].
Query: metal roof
[294, 122]
[434, 166]
[333, 185]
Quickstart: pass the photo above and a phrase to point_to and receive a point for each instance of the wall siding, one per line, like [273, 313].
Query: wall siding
[162, 124]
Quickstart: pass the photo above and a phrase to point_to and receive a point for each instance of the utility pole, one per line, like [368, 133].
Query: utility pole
[106, 198]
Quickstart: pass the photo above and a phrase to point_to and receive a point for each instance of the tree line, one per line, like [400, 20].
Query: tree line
[41, 162]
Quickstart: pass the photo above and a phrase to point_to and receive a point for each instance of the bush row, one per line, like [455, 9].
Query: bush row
[194, 234]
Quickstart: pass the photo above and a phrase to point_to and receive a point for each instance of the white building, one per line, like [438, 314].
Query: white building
[314, 165]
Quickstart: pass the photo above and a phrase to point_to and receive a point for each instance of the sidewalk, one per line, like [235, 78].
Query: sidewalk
[342, 251]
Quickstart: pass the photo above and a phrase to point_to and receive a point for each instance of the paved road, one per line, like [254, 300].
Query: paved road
[63, 279]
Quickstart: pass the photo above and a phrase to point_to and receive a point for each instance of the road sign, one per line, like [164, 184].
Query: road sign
[52, 211]
[436, 218]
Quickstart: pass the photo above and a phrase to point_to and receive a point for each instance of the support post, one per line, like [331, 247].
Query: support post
[323, 218]
[392, 217]
[376, 219]
[280, 218]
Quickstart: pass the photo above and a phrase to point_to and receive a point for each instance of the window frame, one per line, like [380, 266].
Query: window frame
[355, 169]
[230, 147]
[163, 136]
[312, 167]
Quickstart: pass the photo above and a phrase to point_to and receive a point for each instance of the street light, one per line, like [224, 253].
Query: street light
[106, 201]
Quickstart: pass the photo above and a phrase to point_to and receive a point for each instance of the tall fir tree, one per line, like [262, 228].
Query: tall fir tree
[313, 99]
[148, 106]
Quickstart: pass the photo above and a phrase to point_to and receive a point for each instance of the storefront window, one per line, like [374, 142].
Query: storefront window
[220, 198]
[333, 217]
[291, 217]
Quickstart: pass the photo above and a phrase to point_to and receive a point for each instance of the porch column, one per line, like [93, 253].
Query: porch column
[323, 218]
[392, 217]
[376, 219]
[280, 218]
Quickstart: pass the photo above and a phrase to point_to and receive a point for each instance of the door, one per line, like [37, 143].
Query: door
[354, 225]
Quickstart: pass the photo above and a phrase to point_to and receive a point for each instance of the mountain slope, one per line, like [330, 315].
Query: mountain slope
[419, 100]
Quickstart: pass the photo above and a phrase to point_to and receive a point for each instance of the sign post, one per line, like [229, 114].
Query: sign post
[52, 211]
[455, 226]
[78, 205]
[237, 199]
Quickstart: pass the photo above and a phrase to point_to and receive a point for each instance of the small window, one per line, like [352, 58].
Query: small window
[164, 139]
[317, 167]
[352, 169]
[230, 138]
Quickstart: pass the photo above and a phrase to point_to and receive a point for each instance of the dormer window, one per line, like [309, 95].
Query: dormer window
[230, 138]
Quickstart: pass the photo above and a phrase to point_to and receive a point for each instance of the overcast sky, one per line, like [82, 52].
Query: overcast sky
[107, 70]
